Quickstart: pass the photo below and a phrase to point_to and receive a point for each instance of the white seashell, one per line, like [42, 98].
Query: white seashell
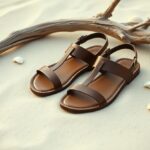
[136, 20]
[148, 107]
[18, 60]
[147, 85]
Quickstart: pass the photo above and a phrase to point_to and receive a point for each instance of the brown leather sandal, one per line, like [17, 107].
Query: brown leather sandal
[99, 90]
[77, 60]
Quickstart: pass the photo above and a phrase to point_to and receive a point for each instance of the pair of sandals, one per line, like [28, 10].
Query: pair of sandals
[105, 82]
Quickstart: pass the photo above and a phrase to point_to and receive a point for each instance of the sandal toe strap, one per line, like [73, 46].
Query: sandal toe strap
[50, 75]
[87, 91]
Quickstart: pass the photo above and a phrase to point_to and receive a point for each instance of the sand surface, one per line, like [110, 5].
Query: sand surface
[28, 122]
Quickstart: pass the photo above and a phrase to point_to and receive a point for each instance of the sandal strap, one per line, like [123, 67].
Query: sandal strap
[79, 52]
[84, 55]
[117, 69]
[106, 65]
[76, 51]
[121, 47]
[50, 75]
[85, 38]
[103, 64]
[62, 60]
[87, 91]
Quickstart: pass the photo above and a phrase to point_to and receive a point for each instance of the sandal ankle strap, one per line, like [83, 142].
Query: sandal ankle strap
[85, 38]
[121, 47]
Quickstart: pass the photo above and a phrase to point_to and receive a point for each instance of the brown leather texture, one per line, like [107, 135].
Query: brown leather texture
[77, 60]
[104, 84]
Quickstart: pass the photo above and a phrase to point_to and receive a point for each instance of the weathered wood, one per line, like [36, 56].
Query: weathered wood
[108, 13]
[135, 33]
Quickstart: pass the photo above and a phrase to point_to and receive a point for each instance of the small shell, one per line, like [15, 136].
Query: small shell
[135, 20]
[18, 60]
[147, 85]
[148, 107]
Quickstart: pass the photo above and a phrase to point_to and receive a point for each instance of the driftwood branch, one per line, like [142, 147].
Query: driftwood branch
[108, 13]
[135, 33]
[144, 24]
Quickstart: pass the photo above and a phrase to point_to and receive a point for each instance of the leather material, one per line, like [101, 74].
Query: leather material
[108, 78]
[51, 75]
[84, 55]
[75, 61]
[85, 38]
[117, 69]
[121, 47]
[88, 91]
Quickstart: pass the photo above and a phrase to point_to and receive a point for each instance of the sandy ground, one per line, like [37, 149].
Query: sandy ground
[28, 122]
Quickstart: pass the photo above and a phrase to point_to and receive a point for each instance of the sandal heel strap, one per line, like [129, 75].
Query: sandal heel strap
[85, 38]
